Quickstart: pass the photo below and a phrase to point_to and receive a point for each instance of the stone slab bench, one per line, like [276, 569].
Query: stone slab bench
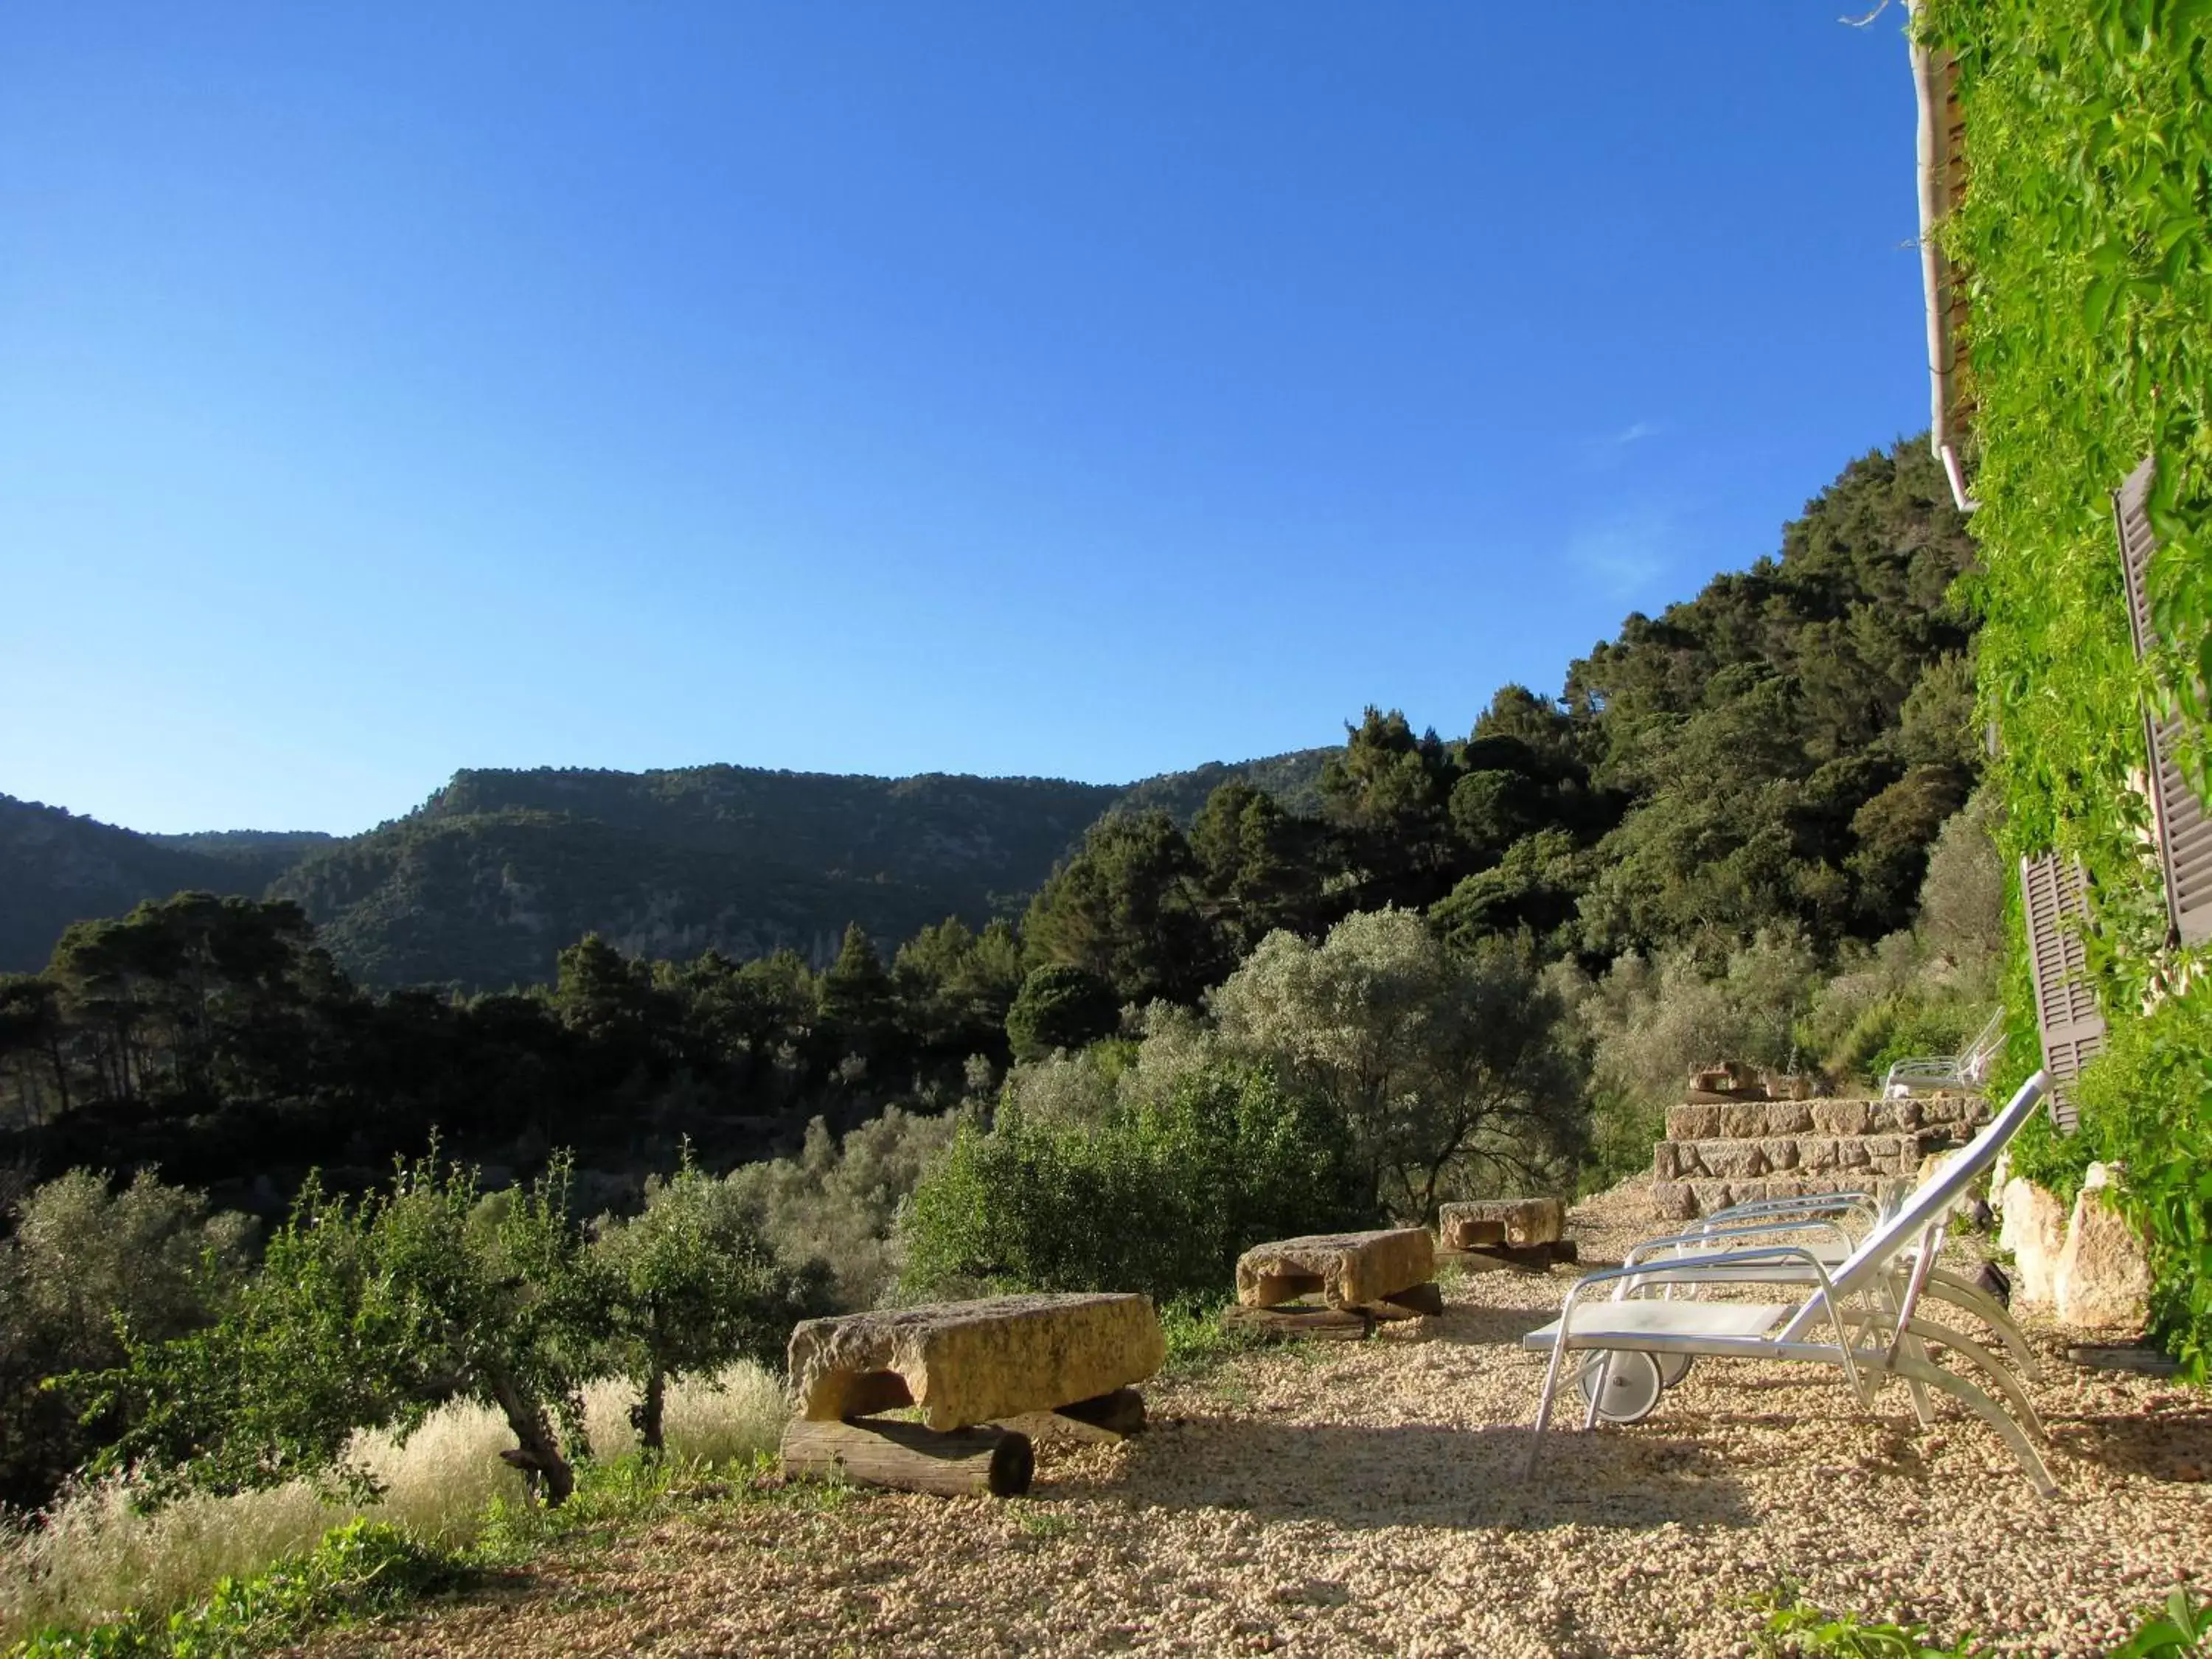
[1519, 1223]
[1344, 1269]
[987, 1376]
[965, 1363]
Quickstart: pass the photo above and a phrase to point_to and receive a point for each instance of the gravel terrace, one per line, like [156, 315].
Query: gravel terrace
[1344, 1498]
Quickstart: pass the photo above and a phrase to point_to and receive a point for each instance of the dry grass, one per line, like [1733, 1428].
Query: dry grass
[95, 1556]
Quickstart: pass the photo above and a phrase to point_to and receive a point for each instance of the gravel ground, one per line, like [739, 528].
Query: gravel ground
[1344, 1498]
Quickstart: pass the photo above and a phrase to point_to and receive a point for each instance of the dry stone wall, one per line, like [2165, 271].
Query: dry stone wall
[1738, 1152]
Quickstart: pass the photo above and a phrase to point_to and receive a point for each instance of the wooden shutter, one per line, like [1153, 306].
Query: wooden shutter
[2066, 1014]
[2184, 833]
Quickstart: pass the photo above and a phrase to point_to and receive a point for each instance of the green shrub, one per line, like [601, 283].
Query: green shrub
[839, 1200]
[1161, 1198]
[1624, 1128]
[82, 1263]
[689, 1287]
[368, 1316]
[2146, 1105]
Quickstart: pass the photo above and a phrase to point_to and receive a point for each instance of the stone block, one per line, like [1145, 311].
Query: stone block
[1886, 1153]
[1526, 1220]
[1906, 1114]
[1692, 1123]
[1732, 1159]
[2102, 1277]
[2034, 1230]
[1816, 1154]
[1666, 1161]
[1840, 1117]
[1781, 1154]
[965, 1363]
[1744, 1122]
[1672, 1200]
[1793, 1119]
[1851, 1152]
[1346, 1269]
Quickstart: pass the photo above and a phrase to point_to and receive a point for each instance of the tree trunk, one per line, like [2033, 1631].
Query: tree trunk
[61, 1069]
[536, 1452]
[646, 1417]
[884, 1452]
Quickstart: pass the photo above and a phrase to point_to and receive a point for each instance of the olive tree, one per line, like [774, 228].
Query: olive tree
[369, 1313]
[84, 1263]
[690, 1285]
[1444, 1062]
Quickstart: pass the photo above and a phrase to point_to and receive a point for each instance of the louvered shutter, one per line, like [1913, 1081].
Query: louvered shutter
[2073, 1030]
[2184, 833]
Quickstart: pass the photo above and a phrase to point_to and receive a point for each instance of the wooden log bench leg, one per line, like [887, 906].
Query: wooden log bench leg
[1327, 1324]
[883, 1452]
[1421, 1301]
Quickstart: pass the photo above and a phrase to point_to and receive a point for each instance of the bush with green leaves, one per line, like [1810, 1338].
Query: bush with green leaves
[1649, 1021]
[838, 1202]
[1160, 1198]
[689, 1285]
[84, 1264]
[368, 1313]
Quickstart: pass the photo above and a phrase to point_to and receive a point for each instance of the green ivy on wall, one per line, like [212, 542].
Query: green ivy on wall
[2086, 236]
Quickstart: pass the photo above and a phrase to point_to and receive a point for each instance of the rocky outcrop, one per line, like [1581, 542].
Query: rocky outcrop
[2102, 1279]
[2034, 1230]
[2089, 1267]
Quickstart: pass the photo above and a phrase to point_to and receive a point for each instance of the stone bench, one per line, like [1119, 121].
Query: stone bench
[1033, 1359]
[1360, 1278]
[1514, 1232]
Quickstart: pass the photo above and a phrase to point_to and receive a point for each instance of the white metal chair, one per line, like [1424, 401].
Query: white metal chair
[1863, 1317]
[1965, 1070]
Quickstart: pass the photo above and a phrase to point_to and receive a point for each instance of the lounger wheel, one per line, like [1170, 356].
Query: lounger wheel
[1630, 1381]
[1672, 1368]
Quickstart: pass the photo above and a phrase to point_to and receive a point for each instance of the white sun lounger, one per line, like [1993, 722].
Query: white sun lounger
[1816, 1221]
[1862, 1316]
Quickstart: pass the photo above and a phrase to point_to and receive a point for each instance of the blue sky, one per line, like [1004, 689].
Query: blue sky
[1082, 389]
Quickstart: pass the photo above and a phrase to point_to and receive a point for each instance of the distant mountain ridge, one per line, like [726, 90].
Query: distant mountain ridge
[485, 881]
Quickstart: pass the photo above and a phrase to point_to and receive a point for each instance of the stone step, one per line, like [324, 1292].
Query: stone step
[1757, 1120]
[1847, 1156]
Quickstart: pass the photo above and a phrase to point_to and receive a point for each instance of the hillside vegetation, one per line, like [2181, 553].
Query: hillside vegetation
[1745, 829]
[483, 882]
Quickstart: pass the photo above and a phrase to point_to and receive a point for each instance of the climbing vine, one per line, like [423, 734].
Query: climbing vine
[2086, 237]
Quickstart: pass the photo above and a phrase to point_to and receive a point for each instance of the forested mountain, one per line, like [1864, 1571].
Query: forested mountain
[57, 868]
[1777, 753]
[490, 877]
[261, 855]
